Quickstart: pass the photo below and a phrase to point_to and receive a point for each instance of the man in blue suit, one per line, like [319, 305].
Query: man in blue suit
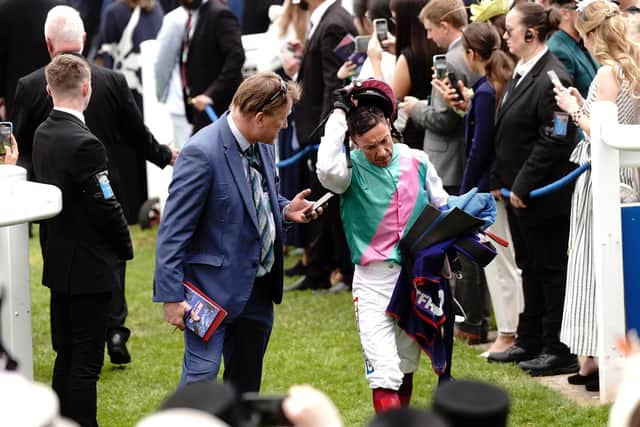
[222, 231]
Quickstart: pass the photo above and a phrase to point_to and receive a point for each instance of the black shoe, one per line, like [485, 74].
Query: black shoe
[593, 384]
[305, 283]
[547, 364]
[513, 354]
[117, 348]
[578, 379]
[297, 270]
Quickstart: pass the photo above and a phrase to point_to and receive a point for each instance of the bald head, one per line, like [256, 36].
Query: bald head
[64, 30]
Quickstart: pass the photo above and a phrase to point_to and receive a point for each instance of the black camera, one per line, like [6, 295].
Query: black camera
[264, 410]
[222, 401]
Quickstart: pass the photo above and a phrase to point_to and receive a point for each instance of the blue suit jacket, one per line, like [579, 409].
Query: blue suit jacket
[209, 232]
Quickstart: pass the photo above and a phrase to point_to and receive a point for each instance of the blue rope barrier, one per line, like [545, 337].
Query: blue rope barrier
[300, 154]
[212, 114]
[556, 185]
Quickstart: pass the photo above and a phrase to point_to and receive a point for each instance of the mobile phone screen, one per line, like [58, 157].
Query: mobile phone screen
[6, 128]
[381, 29]
[440, 65]
[362, 43]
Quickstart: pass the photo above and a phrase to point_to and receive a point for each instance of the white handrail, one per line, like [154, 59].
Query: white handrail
[610, 149]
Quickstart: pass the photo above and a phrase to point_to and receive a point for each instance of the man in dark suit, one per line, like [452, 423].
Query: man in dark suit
[222, 231]
[214, 58]
[530, 155]
[22, 49]
[112, 116]
[85, 243]
[329, 23]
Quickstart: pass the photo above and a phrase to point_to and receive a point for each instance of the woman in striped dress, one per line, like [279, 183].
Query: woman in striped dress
[604, 31]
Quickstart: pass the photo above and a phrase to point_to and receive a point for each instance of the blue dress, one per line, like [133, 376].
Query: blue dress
[479, 137]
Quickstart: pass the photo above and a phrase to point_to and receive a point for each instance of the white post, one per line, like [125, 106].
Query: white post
[612, 146]
[22, 201]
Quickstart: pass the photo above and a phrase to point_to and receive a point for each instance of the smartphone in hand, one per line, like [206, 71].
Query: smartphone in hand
[440, 65]
[453, 79]
[318, 204]
[382, 29]
[6, 129]
[555, 79]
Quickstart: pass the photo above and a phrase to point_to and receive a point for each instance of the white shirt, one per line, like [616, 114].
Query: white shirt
[524, 68]
[77, 114]
[317, 15]
[243, 143]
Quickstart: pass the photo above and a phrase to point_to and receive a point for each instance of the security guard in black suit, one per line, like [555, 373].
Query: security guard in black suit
[114, 118]
[84, 244]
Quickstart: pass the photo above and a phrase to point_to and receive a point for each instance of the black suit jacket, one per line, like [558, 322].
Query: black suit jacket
[88, 238]
[113, 116]
[215, 59]
[318, 71]
[22, 45]
[527, 156]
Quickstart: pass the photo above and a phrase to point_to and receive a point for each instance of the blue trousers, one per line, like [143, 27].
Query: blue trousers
[241, 341]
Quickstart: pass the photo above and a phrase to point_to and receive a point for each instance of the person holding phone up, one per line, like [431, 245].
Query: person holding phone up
[483, 55]
[603, 30]
[443, 21]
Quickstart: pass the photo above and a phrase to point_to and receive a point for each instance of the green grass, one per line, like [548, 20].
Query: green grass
[314, 341]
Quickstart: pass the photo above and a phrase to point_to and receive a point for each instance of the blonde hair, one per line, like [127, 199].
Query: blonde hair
[451, 11]
[296, 16]
[611, 44]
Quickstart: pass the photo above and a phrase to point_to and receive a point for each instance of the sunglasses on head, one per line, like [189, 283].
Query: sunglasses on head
[282, 90]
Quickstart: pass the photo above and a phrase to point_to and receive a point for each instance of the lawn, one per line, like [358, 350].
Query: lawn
[314, 341]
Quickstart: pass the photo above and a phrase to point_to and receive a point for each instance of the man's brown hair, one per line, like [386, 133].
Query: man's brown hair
[451, 11]
[264, 92]
[66, 73]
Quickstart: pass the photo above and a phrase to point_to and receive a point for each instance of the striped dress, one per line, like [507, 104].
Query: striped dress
[579, 325]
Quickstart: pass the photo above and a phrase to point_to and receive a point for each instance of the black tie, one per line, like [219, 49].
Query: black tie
[516, 79]
[510, 87]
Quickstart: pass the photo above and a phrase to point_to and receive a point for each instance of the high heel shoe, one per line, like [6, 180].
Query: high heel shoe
[578, 379]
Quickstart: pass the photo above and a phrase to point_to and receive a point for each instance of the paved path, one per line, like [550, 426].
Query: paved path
[559, 383]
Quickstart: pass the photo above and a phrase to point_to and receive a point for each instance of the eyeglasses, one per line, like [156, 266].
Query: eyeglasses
[569, 7]
[282, 90]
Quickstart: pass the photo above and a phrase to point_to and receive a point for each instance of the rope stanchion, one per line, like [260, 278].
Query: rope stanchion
[554, 186]
[293, 159]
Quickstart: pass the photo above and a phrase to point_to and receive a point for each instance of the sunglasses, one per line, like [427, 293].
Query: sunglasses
[282, 90]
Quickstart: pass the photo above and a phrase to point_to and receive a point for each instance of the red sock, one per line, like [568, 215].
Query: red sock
[404, 392]
[385, 399]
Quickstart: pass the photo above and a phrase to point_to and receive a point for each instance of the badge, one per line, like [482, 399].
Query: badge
[105, 186]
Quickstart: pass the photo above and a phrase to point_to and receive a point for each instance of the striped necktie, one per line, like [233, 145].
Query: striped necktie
[263, 212]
